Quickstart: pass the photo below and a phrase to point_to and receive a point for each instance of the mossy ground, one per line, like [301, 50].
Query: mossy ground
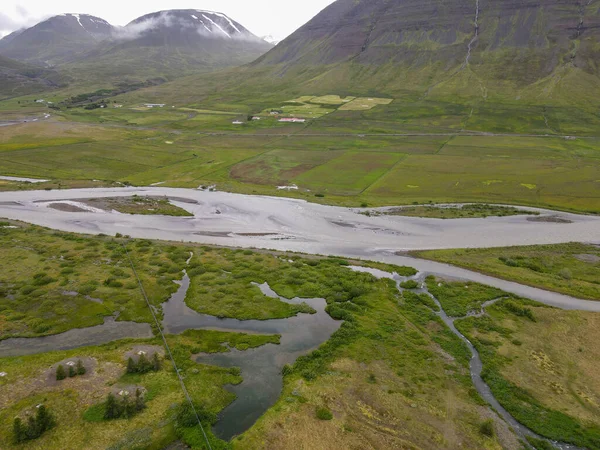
[542, 367]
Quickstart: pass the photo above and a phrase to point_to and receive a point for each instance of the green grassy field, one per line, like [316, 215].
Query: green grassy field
[455, 212]
[139, 205]
[335, 154]
[30, 381]
[401, 344]
[572, 269]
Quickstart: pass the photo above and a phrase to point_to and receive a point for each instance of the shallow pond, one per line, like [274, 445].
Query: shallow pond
[261, 367]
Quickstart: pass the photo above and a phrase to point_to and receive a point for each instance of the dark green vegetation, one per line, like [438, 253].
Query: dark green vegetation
[414, 364]
[140, 205]
[35, 426]
[538, 363]
[324, 414]
[403, 343]
[61, 374]
[123, 407]
[51, 282]
[487, 428]
[457, 212]
[143, 365]
[572, 269]
[409, 284]
[222, 284]
[458, 299]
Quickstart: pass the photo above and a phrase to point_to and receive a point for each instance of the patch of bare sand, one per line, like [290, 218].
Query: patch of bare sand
[588, 258]
[66, 207]
[90, 387]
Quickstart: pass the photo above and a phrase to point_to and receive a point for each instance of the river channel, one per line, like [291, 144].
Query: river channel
[295, 225]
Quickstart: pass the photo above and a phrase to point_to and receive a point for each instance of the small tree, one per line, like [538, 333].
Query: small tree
[127, 407]
[44, 419]
[131, 366]
[80, 368]
[143, 365]
[60, 373]
[156, 362]
[140, 403]
[113, 409]
[72, 372]
[19, 431]
[32, 430]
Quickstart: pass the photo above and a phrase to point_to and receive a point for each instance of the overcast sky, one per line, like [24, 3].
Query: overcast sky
[278, 18]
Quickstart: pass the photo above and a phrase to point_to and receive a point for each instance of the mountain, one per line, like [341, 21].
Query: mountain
[56, 40]
[18, 79]
[511, 50]
[171, 44]
[513, 43]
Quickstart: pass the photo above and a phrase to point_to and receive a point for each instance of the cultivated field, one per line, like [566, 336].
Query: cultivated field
[398, 152]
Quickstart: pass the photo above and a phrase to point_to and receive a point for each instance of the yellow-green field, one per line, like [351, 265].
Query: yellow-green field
[390, 153]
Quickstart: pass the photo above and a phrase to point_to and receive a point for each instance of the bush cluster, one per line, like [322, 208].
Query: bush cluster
[187, 416]
[518, 310]
[409, 284]
[35, 426]
[71, 372]
[124, 407]
[143, 365]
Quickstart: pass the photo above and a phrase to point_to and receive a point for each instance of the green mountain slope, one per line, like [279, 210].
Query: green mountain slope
[18, 79]
[519, 52]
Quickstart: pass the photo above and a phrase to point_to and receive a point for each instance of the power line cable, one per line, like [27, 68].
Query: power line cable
[164, 339]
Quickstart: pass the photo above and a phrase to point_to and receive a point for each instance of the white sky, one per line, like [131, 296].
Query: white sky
[278, 18]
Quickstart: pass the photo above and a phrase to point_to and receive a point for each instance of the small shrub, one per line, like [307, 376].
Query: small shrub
[487, 428]
[324, 414]
[72, 372]
[409, 284]
[518, 310]
[565, 274]
[60, 373]
[187, 416]
[80, 368]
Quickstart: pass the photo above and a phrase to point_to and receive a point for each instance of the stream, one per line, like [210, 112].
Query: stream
[476, 364]
[111, 330]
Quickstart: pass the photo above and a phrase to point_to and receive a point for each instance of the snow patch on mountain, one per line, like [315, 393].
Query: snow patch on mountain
[217, 25]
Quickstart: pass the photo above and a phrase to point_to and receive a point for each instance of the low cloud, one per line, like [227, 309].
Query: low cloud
[25, 20]
[7, 24]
